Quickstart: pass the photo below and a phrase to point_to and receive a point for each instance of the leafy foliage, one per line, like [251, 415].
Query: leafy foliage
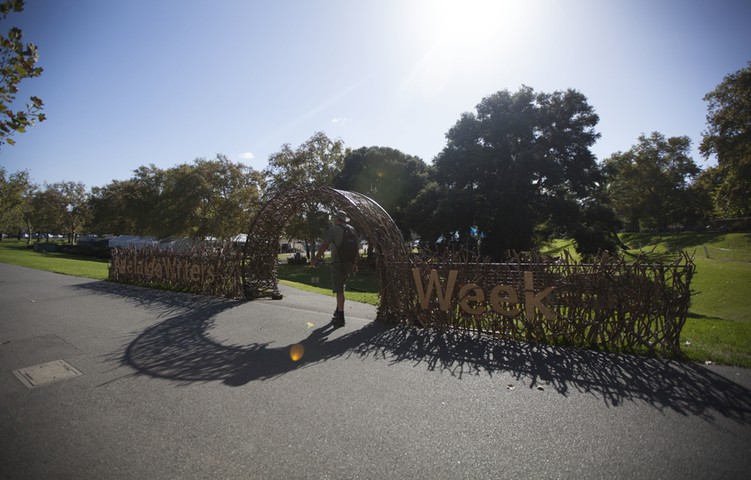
[59, 208]
[728, 136]
[516, 170]
[12, 197]
[386, 175]
[316, 162]
[128, 207]
[649, 185]
[207, 198]
[17, 62]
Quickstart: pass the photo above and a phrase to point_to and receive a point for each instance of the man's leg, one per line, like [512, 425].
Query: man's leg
[340, 301]
[337, 280]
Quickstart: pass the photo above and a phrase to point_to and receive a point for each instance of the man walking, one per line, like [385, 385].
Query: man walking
[345, 246]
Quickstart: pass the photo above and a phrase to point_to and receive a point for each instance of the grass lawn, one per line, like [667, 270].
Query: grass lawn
[361, 287]
[16, 252]
[719, 323]
[718, 328]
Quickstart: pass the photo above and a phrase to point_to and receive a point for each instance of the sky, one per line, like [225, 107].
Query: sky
[128, 83]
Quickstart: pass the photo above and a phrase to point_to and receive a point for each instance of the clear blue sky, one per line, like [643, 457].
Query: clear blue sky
[133, 82]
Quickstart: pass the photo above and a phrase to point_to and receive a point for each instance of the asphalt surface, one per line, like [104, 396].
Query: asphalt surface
[180, 386]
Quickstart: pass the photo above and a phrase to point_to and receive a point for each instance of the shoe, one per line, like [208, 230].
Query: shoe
[338, 319]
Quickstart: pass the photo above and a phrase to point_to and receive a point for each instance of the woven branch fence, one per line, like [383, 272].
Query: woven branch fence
[204, 268]
[608, 303]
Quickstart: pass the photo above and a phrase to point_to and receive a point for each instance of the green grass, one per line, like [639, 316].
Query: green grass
[718, 328]
[16, 252]
[361, 287]
[557, 247]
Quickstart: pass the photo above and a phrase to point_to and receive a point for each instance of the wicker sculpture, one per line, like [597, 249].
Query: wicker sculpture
[370, 220]
[609, 303]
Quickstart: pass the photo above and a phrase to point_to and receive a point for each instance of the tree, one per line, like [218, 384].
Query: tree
[232, 192]
[76, 213]
[702, 192]
[316, 162]
[12, 198]
[17, 62]
[111, 209]
[45, 212]
[59, 208]
[130, 206]
[210, 198]
[515, 170]
[386, 175]
[649, 185]
[728, 137]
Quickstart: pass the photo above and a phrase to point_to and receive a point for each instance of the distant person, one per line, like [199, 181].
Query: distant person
[345, 249]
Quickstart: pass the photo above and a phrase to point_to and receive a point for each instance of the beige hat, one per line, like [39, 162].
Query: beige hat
[342, 215]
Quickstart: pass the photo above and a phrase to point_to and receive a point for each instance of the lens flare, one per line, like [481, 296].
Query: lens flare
[296, 352]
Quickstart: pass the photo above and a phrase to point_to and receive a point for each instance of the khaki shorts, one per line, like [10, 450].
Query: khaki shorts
[339, 274]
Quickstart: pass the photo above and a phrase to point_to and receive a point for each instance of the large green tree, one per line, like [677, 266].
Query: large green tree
[209, 198]
[233, 191]
[206, 198]
[13, 189]
[77, 213]
[386, 175]
[59, 208]
[112, 210]
[315, 162]
[650, 184]
[728, 137]
[17, 62]
[129, 206]
[517, 169]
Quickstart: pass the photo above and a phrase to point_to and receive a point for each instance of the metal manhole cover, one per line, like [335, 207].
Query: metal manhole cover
[46, 373]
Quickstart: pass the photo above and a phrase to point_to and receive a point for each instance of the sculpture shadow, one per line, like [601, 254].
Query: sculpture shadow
[179, 349]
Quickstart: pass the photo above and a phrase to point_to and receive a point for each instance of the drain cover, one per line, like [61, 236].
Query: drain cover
[46, 373]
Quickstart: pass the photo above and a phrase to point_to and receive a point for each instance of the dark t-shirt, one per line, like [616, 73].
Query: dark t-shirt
[335, 235]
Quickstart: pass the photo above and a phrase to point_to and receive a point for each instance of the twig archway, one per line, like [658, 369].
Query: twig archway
[259, 267]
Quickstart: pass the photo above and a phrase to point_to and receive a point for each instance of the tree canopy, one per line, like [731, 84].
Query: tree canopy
[316, 161]
[208, 198]
[386, 175]
[58, 208]
[728, 137]
[649, 185]
[513, 173]
[13, 191]
[17, 62]
[518, 168]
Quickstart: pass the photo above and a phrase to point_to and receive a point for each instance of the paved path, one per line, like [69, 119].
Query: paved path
[180, 386]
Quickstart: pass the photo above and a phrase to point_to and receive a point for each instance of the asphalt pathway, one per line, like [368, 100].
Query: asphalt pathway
[176, 386]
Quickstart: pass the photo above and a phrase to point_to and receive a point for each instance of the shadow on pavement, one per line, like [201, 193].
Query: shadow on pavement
[179, 349]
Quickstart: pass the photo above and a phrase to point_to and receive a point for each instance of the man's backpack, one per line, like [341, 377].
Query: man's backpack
[350, 246]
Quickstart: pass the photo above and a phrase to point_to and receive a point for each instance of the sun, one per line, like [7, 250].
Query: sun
[468, 23]
[462, 37]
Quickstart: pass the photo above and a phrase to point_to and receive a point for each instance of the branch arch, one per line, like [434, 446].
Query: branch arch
[259, 268]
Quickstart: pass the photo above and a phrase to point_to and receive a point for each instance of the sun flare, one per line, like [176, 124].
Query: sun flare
[461, 39]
